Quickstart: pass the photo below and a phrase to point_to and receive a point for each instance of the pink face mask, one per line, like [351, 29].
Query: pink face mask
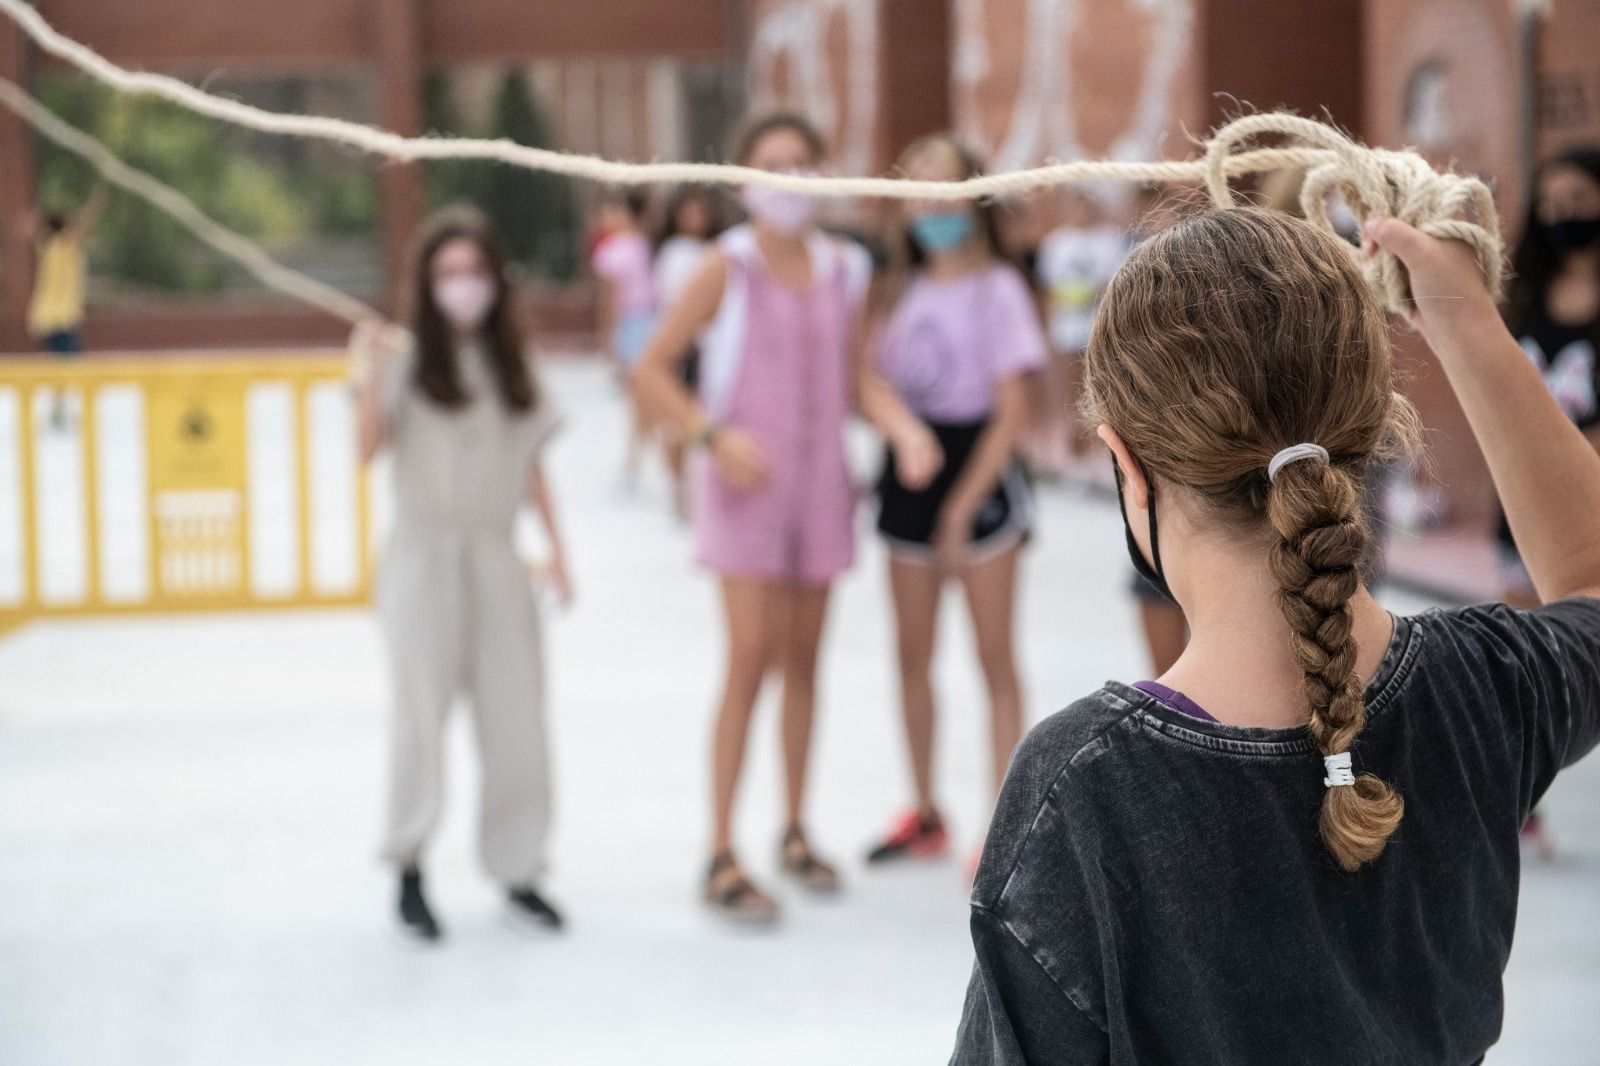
[784, 211]
[464, 299]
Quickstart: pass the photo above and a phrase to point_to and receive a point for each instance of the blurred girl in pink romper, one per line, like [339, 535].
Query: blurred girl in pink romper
[777, 307]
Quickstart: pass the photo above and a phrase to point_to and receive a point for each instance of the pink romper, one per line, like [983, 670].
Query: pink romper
[775, 362]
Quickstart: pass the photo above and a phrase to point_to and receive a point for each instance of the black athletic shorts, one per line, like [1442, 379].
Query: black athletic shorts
[907, 518]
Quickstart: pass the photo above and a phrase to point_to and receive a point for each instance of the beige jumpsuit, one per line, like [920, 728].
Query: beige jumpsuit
[459, 617]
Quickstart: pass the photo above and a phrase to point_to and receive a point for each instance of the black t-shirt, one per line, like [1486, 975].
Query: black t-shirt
[1565, 355]
[1154, 888]
[1567, 359]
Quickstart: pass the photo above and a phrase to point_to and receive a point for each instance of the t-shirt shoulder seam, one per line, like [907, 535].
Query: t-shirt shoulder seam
[1016, 938]
[1126, 710]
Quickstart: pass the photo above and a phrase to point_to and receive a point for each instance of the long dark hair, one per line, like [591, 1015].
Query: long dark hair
[438, 372]
[708, 195]
[906, 256]
[742, 144]
[1537, 259]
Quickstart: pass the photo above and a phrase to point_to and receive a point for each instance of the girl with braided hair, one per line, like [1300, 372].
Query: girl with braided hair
[1299, 844]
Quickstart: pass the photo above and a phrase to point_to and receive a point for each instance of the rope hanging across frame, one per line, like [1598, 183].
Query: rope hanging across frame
[1375, 182]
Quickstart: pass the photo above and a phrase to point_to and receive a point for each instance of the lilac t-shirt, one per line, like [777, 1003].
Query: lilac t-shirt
[624, 260]
[950, 341]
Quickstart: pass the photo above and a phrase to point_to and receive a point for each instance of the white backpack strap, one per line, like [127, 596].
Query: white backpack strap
[722, 342]
[740, 243]
[841, 259]
[857, 265]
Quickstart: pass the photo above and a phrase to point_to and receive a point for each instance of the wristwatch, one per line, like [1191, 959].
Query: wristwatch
[706, 435]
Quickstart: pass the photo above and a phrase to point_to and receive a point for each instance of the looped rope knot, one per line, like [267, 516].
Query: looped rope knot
[1376, 183]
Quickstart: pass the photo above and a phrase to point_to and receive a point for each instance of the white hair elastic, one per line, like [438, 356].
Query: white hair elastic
[1339, 772]
[1294, 453]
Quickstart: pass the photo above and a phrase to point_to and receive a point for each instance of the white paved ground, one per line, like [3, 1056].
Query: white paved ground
[188, 810]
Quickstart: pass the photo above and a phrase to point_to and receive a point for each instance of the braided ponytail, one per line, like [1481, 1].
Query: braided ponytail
[1320, 538]
[1220, 341]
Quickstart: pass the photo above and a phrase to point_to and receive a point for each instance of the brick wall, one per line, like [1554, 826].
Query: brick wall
[1449, 77]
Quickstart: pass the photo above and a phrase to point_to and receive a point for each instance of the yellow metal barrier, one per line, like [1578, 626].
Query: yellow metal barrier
[211, 455]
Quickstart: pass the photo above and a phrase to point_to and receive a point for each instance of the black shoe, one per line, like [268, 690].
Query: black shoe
[528, 905]
[415, 916]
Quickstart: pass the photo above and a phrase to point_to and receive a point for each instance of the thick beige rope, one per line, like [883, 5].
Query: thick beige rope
[1376, 182]
[240, 249]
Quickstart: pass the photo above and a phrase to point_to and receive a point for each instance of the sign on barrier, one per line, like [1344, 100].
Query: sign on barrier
[195, 430]
[183, 482]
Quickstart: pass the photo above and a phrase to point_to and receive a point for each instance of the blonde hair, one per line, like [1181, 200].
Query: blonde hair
[1222, 340]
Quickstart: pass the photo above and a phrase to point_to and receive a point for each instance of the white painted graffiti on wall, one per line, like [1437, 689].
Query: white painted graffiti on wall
[1033, 124]
[792, 64]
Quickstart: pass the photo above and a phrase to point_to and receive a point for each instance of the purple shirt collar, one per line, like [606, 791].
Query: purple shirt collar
[1174, 699]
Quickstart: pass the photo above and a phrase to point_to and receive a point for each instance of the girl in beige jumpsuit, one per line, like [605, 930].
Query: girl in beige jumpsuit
[457, 405]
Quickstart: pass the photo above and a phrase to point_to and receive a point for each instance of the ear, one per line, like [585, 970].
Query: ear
[1135, 489]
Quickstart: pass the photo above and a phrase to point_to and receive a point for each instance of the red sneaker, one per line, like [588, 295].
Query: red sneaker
[913, 836]
[1535, 834]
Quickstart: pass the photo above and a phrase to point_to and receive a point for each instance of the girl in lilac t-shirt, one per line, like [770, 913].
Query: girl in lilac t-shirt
[957, 331]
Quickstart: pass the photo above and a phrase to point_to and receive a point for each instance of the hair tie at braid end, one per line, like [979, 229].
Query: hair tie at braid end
[1294, 453]
[1339, 773]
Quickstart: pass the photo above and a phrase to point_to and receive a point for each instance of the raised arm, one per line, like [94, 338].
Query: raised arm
[88, 216]
[1547, 473]
[377, 352]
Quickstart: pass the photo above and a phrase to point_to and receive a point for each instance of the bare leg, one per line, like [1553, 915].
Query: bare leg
[674, 452]
[1080, 432]
[807, 611]
[1535, 831]
[1166, 633]
[1041, 419]
[915, 588]
[1057, 427]
[991, 599]
[638, 443]
[745, 608]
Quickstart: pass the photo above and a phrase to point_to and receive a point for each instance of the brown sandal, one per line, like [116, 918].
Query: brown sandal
[796, 859]
[732, 895]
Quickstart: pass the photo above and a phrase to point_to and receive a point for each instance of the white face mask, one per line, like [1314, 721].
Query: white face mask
[784, 211]
[464, 299]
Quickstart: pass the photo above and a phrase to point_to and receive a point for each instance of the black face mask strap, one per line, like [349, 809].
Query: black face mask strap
[1150, 569]
[1155, 542]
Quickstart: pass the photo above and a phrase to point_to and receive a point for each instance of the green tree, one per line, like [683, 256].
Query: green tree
[448, 180]
[254, 193]
[532, 211]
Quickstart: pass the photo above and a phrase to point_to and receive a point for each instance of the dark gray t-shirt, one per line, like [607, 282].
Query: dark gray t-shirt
[1154, 888]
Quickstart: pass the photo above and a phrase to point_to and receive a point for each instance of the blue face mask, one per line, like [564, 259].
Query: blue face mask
[943, 231]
